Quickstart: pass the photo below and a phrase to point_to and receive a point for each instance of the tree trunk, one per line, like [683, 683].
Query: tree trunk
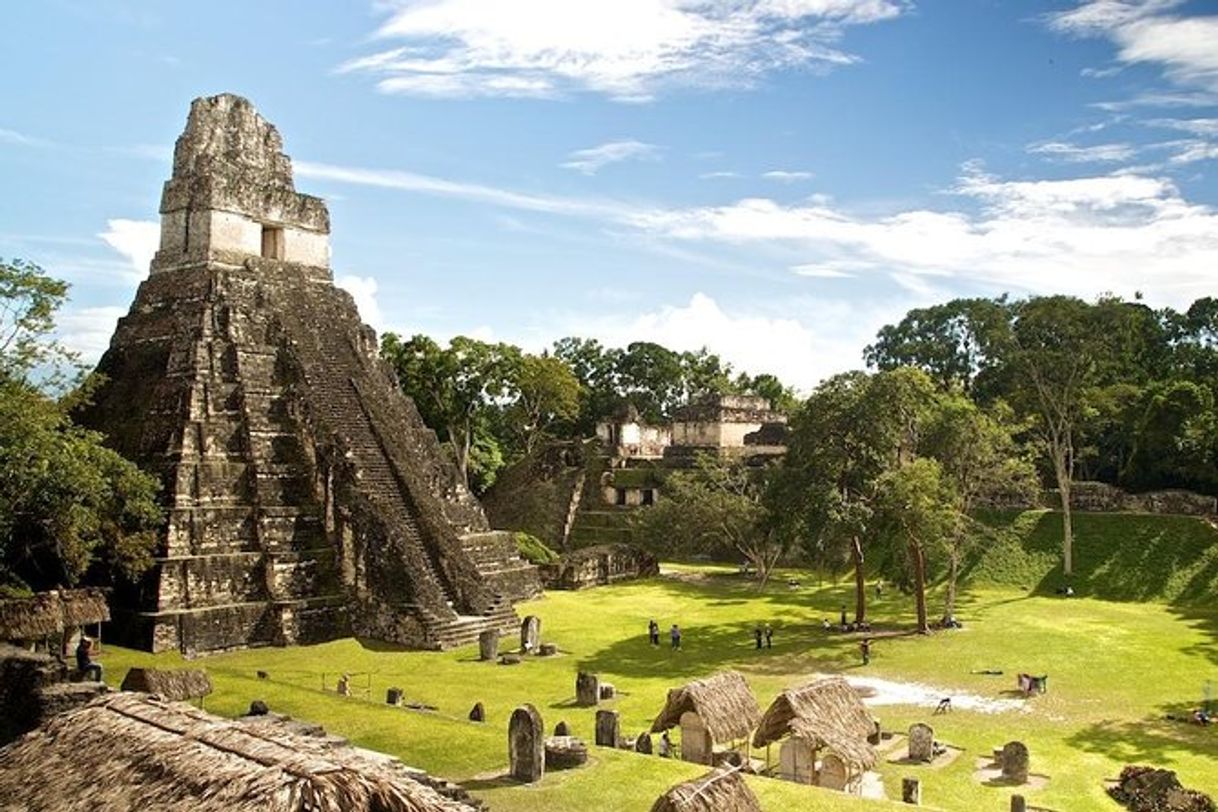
[953, 573]
[1063, 489]
[919, 562]
[860, 582]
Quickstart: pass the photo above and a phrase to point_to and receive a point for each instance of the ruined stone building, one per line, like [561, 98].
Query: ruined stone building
[306, 499]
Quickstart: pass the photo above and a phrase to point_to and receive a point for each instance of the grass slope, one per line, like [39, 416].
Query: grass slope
[1118, 556]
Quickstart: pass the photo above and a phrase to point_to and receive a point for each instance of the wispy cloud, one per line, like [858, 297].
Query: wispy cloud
[1150, 31]
[364, 289]
[1195, 126]
[592, 160]
[1073, 153]
[629, 50]
[720, 175]
[21, 139]
[786, 176]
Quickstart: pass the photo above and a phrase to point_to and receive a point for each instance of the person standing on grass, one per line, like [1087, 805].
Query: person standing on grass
[843, 616]
[675, 634]
[769, 636]
[865, 648]
[653, 632]
[757, 635]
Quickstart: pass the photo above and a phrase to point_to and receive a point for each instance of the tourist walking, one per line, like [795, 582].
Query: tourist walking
[769, 636]
[843, 616]
[865, 648]
[675, 634]
[757, 635]
[653, 632]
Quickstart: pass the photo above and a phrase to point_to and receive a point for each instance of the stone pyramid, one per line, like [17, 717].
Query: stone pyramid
[306, 500]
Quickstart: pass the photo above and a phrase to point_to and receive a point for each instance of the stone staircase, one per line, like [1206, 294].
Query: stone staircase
[495, 555]
[337, 403]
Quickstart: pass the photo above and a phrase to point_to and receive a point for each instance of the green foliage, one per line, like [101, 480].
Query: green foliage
[29, 299]
[533, 549]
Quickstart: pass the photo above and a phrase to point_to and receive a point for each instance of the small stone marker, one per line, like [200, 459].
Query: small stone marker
[562, 729]
[876, 735]
[530, 634]
[1015, 762]
[607, 691]
[643, 743]
[394, 697]
[1018, 804]
[526, 745]
[258, 708]
[607, 732]
[547, 649]
[509, 659]
[488, 645]
[587, 689]
[477, 713]
[911, 791]
[565, 752]
[921, 742]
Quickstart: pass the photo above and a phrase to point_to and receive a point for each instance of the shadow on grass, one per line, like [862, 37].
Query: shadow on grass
[497, 782]
[1205, 621]
[1155, 739]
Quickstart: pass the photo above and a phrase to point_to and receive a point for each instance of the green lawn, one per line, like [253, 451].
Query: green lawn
[1115, 668]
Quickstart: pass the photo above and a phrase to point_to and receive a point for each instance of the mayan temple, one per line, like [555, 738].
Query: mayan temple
[305, 498]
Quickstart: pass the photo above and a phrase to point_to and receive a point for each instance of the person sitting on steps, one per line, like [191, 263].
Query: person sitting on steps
[84, 660]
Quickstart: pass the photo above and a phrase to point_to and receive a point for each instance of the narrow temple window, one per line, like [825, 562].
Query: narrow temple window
[272, 242]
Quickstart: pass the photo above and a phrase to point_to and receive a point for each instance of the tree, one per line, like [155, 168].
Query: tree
[456, 388]
[716, 507]
[982, 463]
[68, 504]
[851, 430]
[916, 508]
[546, 391]
[1055, 351]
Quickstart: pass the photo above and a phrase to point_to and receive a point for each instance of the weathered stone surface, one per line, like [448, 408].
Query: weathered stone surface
[607, 728]
[547, 649]
[565, 752]
[921, 742]
[911, 791]
[587, 689]
[488, 644]
[393, 696]
[562, 729]
[607, 691]
[305, 498]
[1018, 804]
[477, 713]
[34, 687]
[530, 634]
[1015, 762]
[598, 565]
[526, 745]
[509, 659]
[643, 743]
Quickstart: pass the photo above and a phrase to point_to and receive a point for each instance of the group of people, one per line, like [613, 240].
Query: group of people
[674, 634]
[845, 626]
[766, 632]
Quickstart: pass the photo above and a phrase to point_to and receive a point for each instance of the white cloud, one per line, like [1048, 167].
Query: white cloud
[1193, 151]
[786, 176]
[1147, 31]
[87, 330]
[1073, 153]
[21, 139]
[137, 240]
[364, 289]
[626, 49]
[830, 269]
[721, 175]
[1194, 126]
[592, 160]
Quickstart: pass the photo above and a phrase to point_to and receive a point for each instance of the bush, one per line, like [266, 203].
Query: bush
[534, 550]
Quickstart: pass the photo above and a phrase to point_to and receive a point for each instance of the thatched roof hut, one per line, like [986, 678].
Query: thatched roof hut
[717, 791]
[84, 606]
[724, 702]
[175, 685]
[826, 713]
[32, 618]
[128, 751]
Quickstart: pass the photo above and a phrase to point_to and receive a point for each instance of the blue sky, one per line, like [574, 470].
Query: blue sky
[773, 179]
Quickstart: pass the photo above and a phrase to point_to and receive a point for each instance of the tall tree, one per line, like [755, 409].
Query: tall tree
[1055, 352]
[547, 391]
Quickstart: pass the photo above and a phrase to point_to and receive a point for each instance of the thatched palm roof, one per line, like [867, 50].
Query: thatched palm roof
[717, 791]
[131, 751]
[827, 713]
[48, 613]
[81, 606]
[172, 684]
[31, 618]
[724, 702]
